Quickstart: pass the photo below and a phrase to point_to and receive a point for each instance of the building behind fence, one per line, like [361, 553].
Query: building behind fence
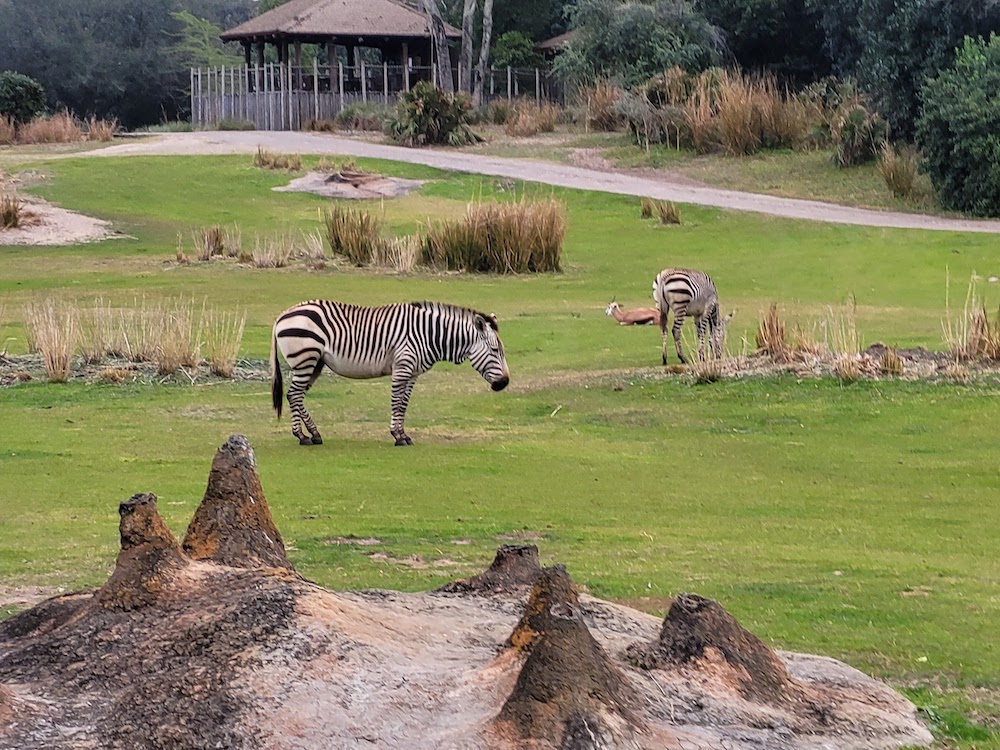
[279, 96]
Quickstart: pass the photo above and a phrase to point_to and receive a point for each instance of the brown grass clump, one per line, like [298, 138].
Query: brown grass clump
[956, 372]
[971, 336]
[353, 233]
[232, 240]
[209, 242]
[646, 208]
[112, 375]
[265, 159]
[600, 99]
[899, 169]
[178, 345]
[499, 238]
[668, 212]
[100, 330]
[398, 253]
[11, 212]
[737, 117]
[530, 119]
[223, 333]
[847, 369]
[59, 128]
[8, 131]
[101, 130]
[55, 332]
[891, 363]
[806, 343]
[708, 370]
[699, 117]
[272, 252]
[771, 335]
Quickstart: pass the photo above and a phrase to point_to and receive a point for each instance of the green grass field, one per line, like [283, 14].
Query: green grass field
[852, 521]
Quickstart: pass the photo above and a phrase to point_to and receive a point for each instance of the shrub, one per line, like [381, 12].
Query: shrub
[426, 115]
[321, 126]
[59, 128]
[898, 169]
[21, 97]
[957, 129]
[530, 119]
[234, 123]
[600, 99]
[101, 130]
[499, 238]
[501, 111]
[858, 135]
[671, 87]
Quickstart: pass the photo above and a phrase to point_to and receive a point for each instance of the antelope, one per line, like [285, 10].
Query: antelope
[637, 317]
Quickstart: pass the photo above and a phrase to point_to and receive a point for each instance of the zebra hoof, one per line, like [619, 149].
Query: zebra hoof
[305, 440]
[403, 440]
[317, 440]
[664, 360]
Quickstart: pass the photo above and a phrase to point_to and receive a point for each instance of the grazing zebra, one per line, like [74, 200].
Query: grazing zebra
[402, 340]
[684, 292]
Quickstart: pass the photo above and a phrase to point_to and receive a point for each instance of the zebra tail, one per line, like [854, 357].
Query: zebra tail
[276, 384]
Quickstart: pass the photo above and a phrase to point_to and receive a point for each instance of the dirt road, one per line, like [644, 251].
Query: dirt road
[240, 142]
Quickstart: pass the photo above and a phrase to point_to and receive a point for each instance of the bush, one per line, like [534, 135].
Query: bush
[11, 212]
[21, 97]
[353, 234]
[858, 135]
[898, 169]
[8, 131]
[957, 130]
[600, 99]
[235, 123]
[426, 115]
[363, 116]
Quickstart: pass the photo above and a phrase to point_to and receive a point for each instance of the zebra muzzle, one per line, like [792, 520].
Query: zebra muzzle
[499, 385]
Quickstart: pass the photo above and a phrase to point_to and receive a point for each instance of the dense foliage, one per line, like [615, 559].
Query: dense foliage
[21, 97]
[516, 49]
[958, 129]
[110, 58]
[632, 41]
[427, 115]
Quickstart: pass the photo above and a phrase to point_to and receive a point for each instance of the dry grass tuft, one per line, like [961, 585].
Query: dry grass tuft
[971, 336]
[55, 331]
[353, 233]
[668, 212]
[100, 331]
[899, 170]
[847, 368]
[232, 240]
[265, 159]
[223, 334]
[178, 345]
[112, 375]
[272, 252]
[8, 131]
[891, 363]
[518, 237]
[11, 212]
[708, 370]
[771, 335]
[59, 128]
[699, 117]
[806, 343]
[956, 372]
[646, 208]
[398, 253]
[101, 130]
[209, 242]
[531, 119]
[600, 99]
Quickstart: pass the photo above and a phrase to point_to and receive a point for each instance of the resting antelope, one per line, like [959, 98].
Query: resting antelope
[638, 317]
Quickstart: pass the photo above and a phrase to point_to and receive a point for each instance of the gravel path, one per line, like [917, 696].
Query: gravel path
[240, 142]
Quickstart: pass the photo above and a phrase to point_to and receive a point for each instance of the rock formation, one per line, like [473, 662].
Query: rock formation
[218, 642]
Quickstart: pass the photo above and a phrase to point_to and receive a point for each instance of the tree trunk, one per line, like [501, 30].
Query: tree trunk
[465, 59]
[484, 52]
[440, 41]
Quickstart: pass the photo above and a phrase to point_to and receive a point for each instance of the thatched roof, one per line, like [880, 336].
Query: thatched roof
[322, 19]
[556, 43]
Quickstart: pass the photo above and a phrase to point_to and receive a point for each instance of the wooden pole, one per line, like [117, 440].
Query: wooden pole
[193, 115]
[315, 89]
[538, 89]
[340, 67]
[222, 95]
[406, 66]
[364, 83]
[508, 82]
[385, 82]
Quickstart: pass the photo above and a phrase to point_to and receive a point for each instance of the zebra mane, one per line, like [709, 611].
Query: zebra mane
[464, 311]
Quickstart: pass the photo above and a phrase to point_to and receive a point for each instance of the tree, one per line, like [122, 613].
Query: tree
[484, 51]
[631, 41]
[21, 97]
[198, 45]
[515, 48]
[465, 58]
[957, 129]
[440, 41]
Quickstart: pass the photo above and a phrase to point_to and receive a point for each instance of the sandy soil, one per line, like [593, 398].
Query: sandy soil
[45, 224]
[666, 188]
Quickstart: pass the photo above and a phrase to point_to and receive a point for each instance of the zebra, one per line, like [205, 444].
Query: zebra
[683, 292]
[402, 340]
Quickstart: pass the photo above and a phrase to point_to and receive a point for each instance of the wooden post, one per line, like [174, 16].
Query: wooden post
[493, 81]
[259, 70]
[340, 67]
[291, 101]
[298, 66]
[406, 66]
[385, 82]
[508, 82]
[364, 83]
[331, 55]
[315, 88]
[269, 94]
[193, 116]
[222, 94]
[538, 89]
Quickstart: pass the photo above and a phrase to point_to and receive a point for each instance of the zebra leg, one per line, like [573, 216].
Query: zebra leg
[663, 336]
[302, 379]
[402, 387]
[678, 322]
[701, 324]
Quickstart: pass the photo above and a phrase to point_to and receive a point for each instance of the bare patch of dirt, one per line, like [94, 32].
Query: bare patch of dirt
[521, 536]
[46, 224]
[353, 540]
[22, 597]
[357, 185]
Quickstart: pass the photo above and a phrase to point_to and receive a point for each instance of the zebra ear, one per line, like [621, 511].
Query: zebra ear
[494, 323]
[480, 323]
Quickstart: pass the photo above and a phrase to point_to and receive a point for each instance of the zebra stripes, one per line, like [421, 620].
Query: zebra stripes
[684, 292]
[401, 340]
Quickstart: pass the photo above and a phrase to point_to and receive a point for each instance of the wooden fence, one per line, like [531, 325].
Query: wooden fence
[277, 96]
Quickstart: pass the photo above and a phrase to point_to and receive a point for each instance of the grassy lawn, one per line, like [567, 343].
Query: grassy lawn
[847, 521]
